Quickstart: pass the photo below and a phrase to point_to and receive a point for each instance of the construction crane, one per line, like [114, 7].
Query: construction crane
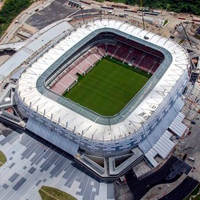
[141, 7]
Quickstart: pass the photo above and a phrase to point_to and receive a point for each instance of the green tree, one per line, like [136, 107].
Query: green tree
[10, 10]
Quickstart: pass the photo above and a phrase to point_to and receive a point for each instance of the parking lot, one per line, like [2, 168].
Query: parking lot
[57, 10]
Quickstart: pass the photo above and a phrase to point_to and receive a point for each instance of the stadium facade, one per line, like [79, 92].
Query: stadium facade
[108, 146]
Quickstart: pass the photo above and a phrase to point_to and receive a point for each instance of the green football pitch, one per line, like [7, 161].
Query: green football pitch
[108, 87]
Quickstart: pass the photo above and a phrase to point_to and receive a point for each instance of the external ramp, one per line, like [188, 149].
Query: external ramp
[162, 148]
[177, 126]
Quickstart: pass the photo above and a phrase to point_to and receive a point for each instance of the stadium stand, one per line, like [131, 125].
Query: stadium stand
[133, 54]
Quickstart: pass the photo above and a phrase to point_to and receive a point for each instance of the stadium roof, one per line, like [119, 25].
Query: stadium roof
[28, 88]
[131, 105]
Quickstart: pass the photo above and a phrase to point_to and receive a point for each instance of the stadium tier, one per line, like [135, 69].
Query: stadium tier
[145, 59]
[140, 129]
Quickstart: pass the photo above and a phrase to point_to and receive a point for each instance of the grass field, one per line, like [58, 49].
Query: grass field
[2, 158]
[50, 193]
[108, 87]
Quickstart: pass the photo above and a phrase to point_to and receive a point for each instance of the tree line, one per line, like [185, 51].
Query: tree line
[10, 9]
[185, 6]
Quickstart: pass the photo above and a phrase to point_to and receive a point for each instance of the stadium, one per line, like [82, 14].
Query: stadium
[109, 94]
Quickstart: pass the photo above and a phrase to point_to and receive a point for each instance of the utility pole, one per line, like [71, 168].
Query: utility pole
[82, 15]
[186, 35]
[141, 7]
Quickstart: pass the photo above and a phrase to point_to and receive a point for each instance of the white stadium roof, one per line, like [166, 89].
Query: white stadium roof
[81, 125]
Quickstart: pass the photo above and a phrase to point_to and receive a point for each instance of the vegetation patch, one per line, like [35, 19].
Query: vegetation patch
[108, 87]
[197, 36]
[195, 195]
[165, 22]
[2, 158]
[50, 193]
[10, 9]
[184, 6]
